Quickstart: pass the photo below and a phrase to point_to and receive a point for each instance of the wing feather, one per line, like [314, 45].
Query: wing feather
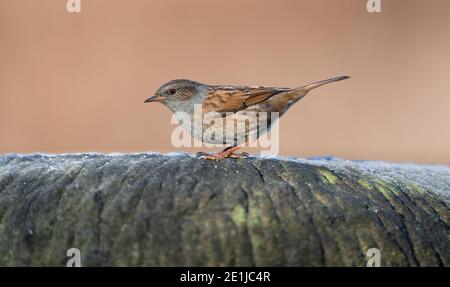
[234, 99]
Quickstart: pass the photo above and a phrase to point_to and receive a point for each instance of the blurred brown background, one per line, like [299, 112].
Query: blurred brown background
[77, 82]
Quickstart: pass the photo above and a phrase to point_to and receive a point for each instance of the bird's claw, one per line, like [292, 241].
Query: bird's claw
[201, 154]
[221, 156]
[240, 155]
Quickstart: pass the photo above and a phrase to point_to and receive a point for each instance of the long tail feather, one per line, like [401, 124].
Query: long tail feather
[324, 82]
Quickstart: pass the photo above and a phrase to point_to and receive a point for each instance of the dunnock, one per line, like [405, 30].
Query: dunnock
[228, 103]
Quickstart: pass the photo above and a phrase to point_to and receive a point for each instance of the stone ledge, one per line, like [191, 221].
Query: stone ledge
[177, 210]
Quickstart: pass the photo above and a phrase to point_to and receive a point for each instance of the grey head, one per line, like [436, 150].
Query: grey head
[179, 95]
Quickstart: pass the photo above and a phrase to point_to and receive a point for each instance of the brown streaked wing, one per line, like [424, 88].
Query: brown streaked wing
[234, 99]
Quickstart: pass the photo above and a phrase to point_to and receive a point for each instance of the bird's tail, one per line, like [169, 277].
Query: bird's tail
[298, 93]
[323, 82]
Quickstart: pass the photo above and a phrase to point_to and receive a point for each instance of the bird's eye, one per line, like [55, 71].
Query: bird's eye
[172, 91]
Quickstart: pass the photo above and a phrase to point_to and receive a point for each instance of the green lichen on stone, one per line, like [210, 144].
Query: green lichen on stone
[329, 176]
[239, 215]
[365, 183]
[416, 188]
[387, 189]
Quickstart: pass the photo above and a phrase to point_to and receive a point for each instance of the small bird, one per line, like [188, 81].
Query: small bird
[224, 103]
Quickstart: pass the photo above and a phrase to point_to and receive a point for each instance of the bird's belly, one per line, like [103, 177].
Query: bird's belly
[235, 129]
[231, 130]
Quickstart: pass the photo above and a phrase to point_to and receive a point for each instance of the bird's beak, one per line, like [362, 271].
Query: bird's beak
[155, 98]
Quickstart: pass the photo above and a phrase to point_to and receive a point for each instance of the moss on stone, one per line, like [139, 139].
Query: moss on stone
[239, 215]
[329, 176]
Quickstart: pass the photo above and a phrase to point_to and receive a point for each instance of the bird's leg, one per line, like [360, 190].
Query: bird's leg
[233, 153]
[228, 152]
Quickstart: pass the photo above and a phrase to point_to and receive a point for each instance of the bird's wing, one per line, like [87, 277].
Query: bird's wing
[234, 99]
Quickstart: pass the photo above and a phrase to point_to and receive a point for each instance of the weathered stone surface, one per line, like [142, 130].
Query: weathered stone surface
[160, 210]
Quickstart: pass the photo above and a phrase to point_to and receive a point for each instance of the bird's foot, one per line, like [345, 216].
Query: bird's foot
[239, 155]
[222, 155]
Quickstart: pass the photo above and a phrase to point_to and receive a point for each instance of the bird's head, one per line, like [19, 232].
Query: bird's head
[175, 92]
